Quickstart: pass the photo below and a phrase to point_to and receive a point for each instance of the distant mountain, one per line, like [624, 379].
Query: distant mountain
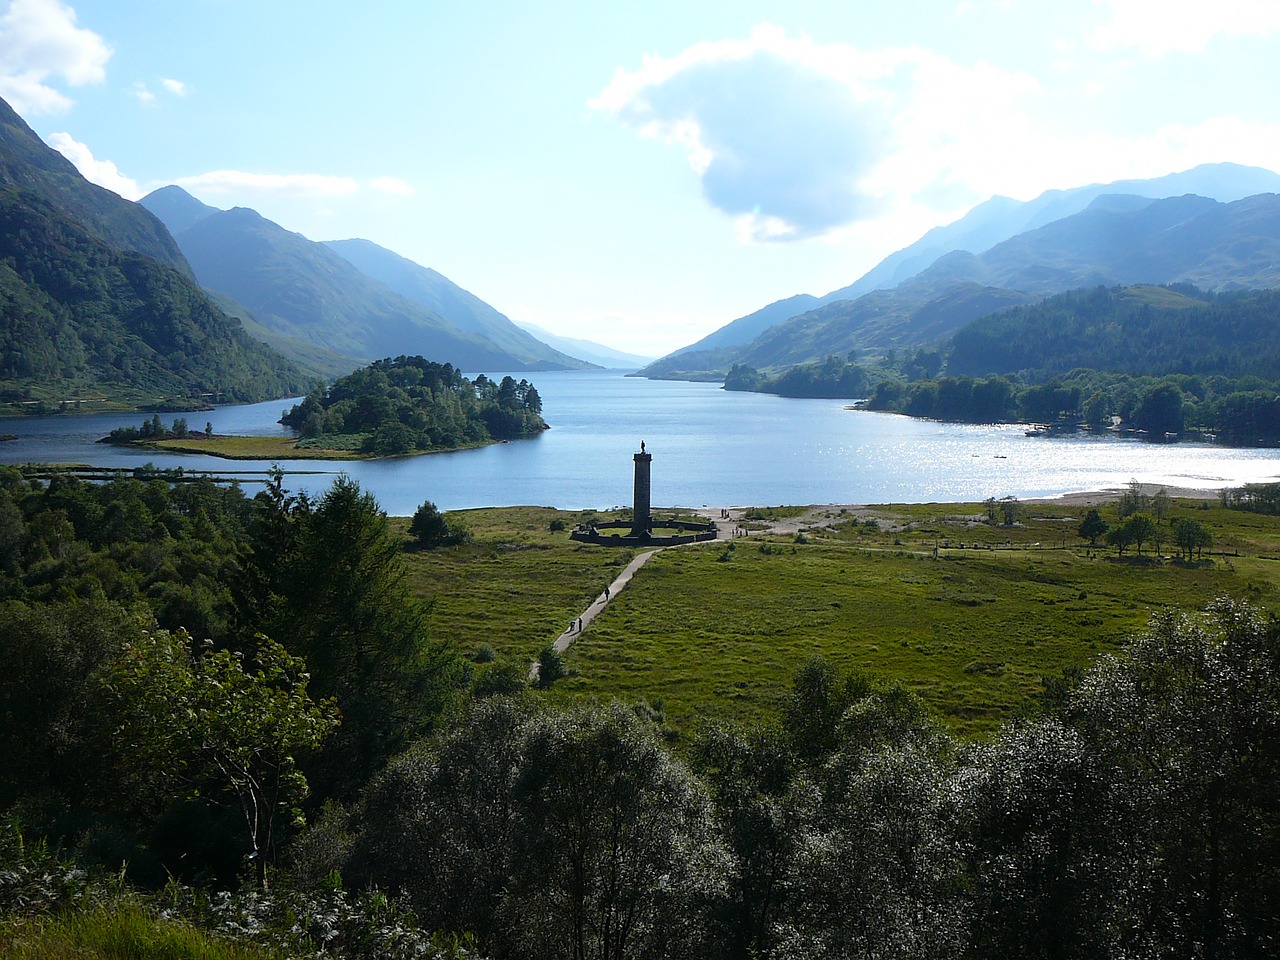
[987, 225]
[745, 329]
[915, 313]
[28, 163]
[589, 350]
[438, 293]
[1001, 218]
[305, 293]
[1119, 241]
[176, 208]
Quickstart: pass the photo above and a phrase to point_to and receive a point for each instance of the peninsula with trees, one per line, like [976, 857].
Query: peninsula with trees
[390, 408]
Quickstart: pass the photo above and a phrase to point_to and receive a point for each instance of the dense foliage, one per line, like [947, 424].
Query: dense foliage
[1136, 815]
[1141, 331]
[1138, 818]
[78, 317]
[407, 404]
[169, 654]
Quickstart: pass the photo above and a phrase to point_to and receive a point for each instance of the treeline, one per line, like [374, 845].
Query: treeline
[154, 429]
[1256, 497]
[78, 315]
[833, 377]
[398, 406]
[1242, 411]
[1162, 360]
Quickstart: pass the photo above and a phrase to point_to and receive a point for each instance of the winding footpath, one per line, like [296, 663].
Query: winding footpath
[581, 622]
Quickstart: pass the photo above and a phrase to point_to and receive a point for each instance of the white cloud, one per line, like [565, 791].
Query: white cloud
[391, 185]
[102, 172]
[224, 182]
[143, 94]
[39, 40]
[1158, 27]
[796, 139]
[176, 87]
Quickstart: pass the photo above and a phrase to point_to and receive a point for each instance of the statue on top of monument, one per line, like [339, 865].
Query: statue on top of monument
[642, 446]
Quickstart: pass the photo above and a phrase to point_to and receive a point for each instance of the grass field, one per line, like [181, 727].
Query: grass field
[270, 448]
[719, 631]
[248, 448]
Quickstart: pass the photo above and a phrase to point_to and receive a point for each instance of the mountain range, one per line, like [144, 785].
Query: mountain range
[589, 350]
[1204, 229]
[353, 300]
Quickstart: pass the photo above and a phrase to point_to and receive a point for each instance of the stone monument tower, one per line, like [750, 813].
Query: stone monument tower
[640, 514]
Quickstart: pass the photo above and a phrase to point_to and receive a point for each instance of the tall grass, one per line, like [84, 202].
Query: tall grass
[121, 931]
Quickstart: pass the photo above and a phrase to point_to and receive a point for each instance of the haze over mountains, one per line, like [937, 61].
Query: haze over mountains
[1214, 226]
[351, 298]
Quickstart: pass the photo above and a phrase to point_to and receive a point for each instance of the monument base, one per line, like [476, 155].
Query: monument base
[687, 532]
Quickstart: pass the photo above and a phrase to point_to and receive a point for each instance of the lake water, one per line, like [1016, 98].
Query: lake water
[709, 448]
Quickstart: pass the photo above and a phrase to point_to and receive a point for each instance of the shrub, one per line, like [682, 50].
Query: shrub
[550, 666]
[431, 529]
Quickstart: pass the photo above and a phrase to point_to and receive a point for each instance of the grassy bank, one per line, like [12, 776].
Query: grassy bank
[246, 448]
[266, 448]
[718, 631]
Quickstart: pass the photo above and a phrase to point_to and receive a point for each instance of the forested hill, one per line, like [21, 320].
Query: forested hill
[27, 163]
[79, 317]
[398, 406]
[1141, 330]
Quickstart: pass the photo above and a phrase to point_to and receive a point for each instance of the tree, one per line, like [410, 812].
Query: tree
[1120, 537]
[330, 578]
[1186, 723]
[1190, 535]
[1160, 505]
[616, 859]
[572, 834]
[811, 715]
[1092, 527]
[1009, 509]
[1141, 528]
[1030, 816]
[762, 814]
[440, 822]
[1132, 501]
[431, 529]
[191, 716]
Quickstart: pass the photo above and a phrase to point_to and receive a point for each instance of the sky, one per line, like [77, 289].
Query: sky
[639, 174]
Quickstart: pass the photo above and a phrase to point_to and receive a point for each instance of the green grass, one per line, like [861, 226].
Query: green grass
[716, 632]
[247, 448]
[121, 932]
[345, 447]
[517, 585]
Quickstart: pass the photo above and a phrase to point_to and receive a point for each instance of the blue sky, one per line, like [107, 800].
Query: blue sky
[639, 174]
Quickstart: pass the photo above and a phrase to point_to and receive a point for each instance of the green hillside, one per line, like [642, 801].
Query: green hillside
[1141, 330]
[28, 164]
[79, 318]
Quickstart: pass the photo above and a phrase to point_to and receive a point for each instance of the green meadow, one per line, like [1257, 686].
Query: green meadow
[969, 615]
